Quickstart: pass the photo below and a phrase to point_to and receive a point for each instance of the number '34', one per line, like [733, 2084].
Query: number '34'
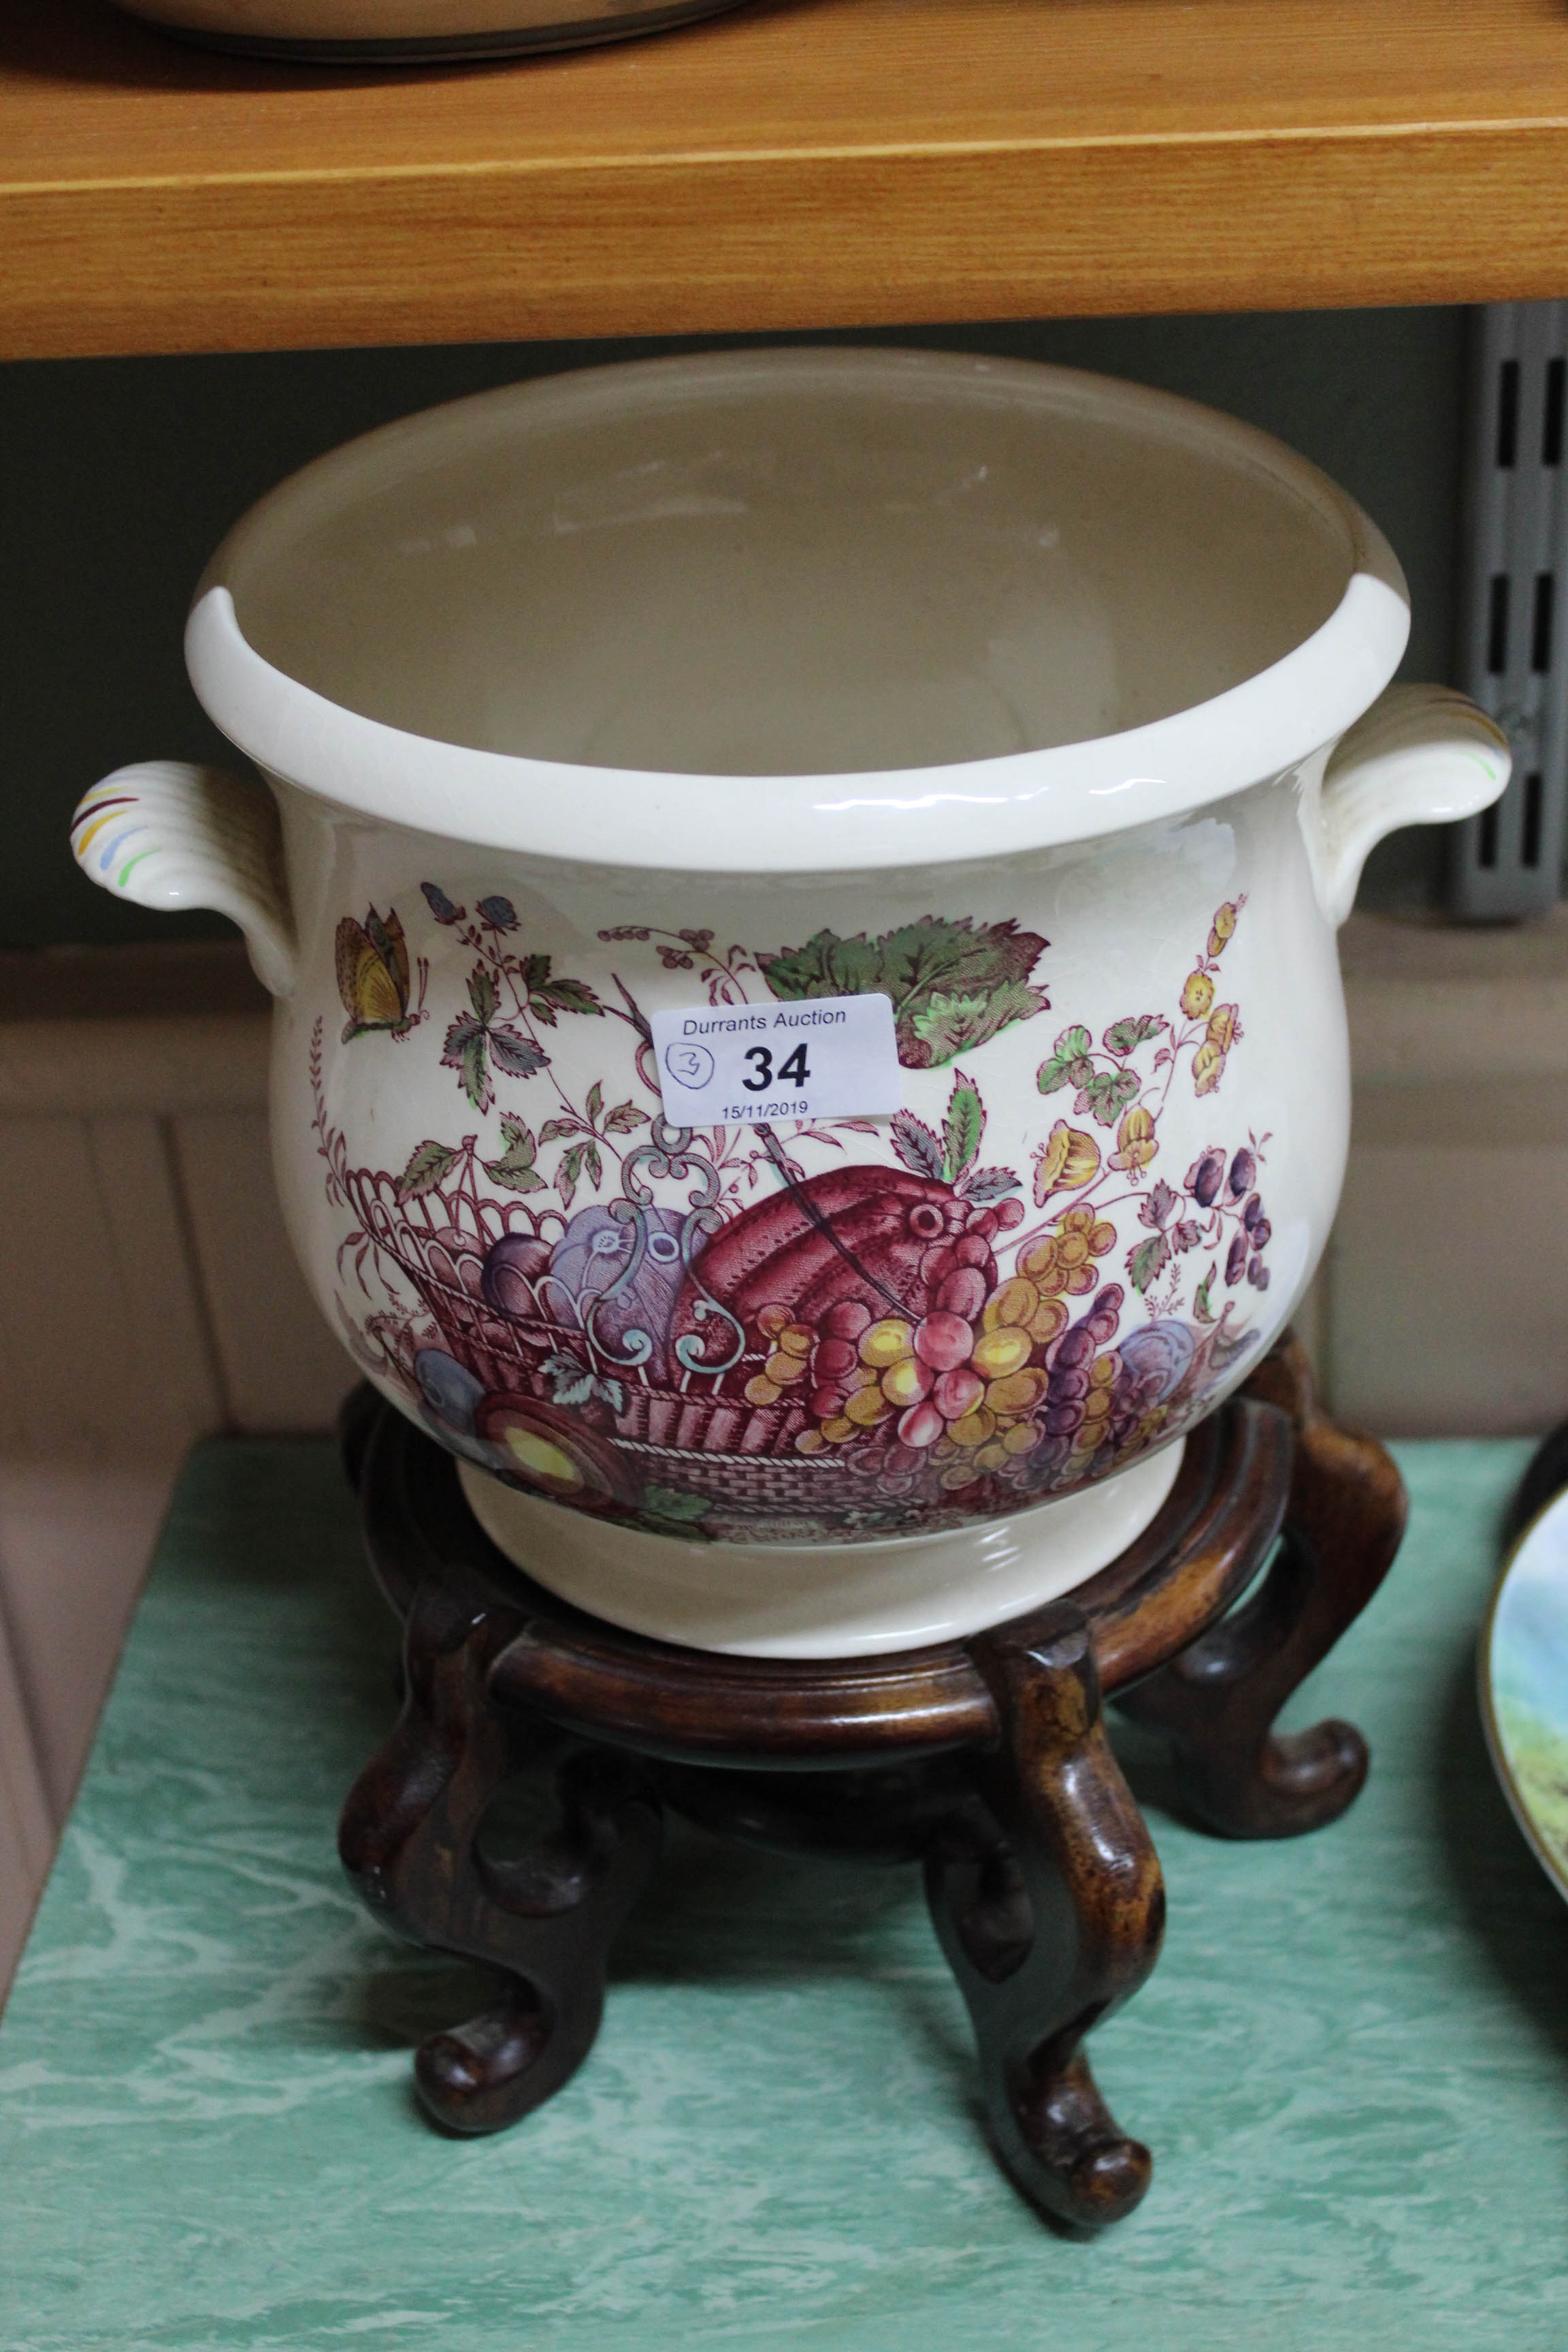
[792, 1073]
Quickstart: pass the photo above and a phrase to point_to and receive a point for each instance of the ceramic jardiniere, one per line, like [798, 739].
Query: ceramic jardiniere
[1049, 713]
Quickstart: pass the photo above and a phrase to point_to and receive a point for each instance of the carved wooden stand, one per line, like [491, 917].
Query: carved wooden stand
[988, 1760]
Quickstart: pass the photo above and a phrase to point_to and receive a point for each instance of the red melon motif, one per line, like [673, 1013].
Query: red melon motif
[880, 1238]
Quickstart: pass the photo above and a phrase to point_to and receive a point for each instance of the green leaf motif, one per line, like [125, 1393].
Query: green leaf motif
[428, 1166]
[1148, 1261]
[953, 985]
[1106, 1093]
[1124, 1037]
[826, 966]
[483, 993]
[593, 1164]
[670, 1502]
[555, 1128]
[572, 1382]
[565, 996]
[466, 1051]
[990, 1184]
[623, 1118]
[514, 1052]
[568, 1174]
[519, 1176]
[1203, 1312]
[964, 1127]
[595, 1103]
[957, 1024]
[1070, 1062]
[515, 1168]
[916, 1146]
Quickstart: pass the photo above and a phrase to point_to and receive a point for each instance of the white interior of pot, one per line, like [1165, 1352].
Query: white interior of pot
[791, 564]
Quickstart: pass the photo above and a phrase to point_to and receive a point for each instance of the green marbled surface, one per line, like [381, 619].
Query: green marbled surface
[1351, 2063]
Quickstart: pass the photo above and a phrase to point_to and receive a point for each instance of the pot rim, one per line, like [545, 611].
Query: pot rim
[561, 812]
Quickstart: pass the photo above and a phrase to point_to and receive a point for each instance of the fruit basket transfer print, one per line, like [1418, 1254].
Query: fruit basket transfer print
[741, 1332]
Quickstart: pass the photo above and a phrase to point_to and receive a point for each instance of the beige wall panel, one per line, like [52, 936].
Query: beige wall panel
[1429, 1001]
[282, 1369]
[1448, 1289]
[102, 1343]
[105, 1378]
[180, 1396]
[67, 1347]
[180, 1062]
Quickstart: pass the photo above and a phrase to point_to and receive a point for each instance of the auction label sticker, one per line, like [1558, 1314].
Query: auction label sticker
[819, 1057]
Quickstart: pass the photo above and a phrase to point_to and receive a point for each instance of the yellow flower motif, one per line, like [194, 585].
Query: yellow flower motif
[1066, 1162]
[1224, 925]
[1224, 1026]
[1197, 995]
[1135, 1143]
[1208, 1063]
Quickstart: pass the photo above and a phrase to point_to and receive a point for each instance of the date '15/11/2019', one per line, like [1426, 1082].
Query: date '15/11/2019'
[749, 1114]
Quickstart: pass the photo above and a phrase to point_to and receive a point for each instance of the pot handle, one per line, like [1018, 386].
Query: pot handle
[169, 835]
[1422, 755]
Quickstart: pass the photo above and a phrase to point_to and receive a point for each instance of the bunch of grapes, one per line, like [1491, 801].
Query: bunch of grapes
[1084, 1406]
[810, 1361]
[955, 1263]
[1062, 1264]
[1235, 1195]
[988, 1375]
[946, 1382]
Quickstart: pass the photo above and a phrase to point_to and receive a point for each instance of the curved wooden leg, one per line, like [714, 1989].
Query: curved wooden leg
[1052, 1927]
[1219, 1697]
[410, 1842]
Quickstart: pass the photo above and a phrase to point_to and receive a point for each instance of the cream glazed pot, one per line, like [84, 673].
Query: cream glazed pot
[1054, 710]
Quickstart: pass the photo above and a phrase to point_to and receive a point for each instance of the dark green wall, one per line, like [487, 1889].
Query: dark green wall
[118, 477]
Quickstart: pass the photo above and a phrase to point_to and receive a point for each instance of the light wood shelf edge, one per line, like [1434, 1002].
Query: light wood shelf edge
[729, 245]
[801, 164]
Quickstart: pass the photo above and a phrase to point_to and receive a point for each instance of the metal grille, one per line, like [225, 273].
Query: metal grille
[1513, 649]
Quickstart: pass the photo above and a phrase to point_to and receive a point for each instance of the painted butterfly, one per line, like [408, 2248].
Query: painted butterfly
[373, 975]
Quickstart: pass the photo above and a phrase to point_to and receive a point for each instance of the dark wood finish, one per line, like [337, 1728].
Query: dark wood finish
[1218, 1698]
[1202, 1550]
[1053, 1923]
[987, 1761]
[411, 1841]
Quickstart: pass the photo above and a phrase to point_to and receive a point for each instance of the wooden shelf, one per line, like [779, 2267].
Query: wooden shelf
[803, 162]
